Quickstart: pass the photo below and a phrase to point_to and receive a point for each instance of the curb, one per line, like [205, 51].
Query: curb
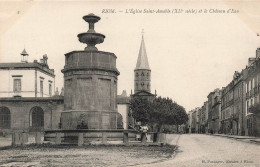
[251, 140]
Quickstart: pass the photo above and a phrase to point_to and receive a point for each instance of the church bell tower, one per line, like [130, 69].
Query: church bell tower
[142, 71]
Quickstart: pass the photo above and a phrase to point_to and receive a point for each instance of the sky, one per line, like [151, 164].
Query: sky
[190, 54]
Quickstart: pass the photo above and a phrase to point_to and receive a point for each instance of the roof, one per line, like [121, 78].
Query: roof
[26, 66]
[143, 93]
[142, 61]
[24, 52]
[122, 100]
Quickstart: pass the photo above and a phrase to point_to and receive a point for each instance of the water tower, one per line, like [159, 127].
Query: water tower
[90, 84]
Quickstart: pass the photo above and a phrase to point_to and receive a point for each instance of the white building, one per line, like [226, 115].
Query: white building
[123, 109]
[27, 79]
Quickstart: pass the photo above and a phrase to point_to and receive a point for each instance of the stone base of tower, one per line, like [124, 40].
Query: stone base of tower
[72, 120]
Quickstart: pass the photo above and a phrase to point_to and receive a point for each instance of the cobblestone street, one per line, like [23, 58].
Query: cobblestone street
[208, 150]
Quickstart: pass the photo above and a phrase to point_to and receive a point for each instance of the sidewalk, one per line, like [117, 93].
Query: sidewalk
[244, 138]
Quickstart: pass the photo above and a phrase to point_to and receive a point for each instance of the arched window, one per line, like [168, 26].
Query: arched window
[142, 74]
[136, 74]
[5, 118]
[37, 117]
[148, 75]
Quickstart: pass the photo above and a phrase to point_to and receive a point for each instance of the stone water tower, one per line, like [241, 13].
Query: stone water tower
[90, 84]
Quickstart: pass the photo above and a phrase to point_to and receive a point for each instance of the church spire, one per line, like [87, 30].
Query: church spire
[142, 61]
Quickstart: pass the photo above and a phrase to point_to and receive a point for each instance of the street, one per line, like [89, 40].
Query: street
[208, 150]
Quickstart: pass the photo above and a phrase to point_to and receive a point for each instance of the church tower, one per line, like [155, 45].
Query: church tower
[142, 71]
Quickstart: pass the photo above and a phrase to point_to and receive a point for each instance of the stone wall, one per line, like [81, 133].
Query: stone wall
[21, 113]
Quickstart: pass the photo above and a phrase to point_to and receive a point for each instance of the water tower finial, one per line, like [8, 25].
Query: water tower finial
[24, 56]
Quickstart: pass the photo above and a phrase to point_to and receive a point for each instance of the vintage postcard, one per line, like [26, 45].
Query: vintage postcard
[130, 83]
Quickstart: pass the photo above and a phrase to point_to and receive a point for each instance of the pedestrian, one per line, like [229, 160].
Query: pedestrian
[144, 129]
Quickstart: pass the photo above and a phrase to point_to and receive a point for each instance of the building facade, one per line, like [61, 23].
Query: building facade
[235, 109]
[252, 95]
[239, 102]
[214, 108]
[227, 108]
[216, 112]
[194, 120]
[30, 114]
[204, 117]
[123, 102]
[27, 79]
[28, 101]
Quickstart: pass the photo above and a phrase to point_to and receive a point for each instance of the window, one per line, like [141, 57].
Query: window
[5, 118]
[136, 74]
[247, 106]
[17, 85]
[41, 88]
[37, 117]
[249, 85]
[50, 89]
[256, 81]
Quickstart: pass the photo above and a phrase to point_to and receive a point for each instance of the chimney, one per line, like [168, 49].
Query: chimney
[258, 53]
[57, 92]
[62, 92]
[124, 94]
[250, 61]
[45, 58]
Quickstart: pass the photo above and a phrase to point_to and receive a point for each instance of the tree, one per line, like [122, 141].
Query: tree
[161, 111]
[181, 115]
[141, 109]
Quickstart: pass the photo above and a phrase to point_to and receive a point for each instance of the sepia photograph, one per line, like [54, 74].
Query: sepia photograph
[130, 83]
